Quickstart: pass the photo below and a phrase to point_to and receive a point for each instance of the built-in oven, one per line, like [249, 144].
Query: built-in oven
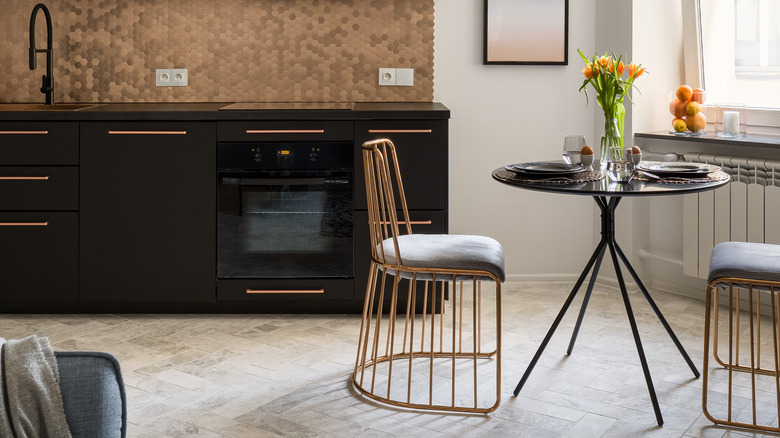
[285, 218]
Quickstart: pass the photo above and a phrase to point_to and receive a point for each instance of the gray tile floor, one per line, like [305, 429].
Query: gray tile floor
[288, 375]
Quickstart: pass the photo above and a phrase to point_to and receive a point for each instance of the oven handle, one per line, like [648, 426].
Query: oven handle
[283, 181]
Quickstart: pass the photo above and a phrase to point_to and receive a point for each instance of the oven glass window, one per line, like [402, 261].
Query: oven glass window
[295, 226]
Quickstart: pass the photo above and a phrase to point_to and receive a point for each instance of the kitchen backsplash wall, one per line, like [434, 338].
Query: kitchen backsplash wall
[234, 50]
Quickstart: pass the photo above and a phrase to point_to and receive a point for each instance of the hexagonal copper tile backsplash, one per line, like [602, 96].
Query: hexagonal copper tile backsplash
[234, 50]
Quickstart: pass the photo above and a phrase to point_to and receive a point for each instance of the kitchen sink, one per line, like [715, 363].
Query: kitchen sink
[44, 107]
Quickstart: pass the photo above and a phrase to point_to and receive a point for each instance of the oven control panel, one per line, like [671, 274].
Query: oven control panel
[275, 156]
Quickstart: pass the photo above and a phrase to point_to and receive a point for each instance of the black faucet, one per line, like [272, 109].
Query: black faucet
[47, 81]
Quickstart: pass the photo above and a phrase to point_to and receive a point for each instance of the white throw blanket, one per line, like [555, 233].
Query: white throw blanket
[31, 403]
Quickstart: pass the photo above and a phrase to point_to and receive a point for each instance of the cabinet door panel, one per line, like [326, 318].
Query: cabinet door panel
[285, 130]
[39, 188]
[284, 289]
[39, 143]
[422, 156]
[148, 211]
[39, 257]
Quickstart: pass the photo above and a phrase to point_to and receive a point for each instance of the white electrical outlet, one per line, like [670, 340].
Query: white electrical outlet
[396, 76]
[387, 76]
[179, 76]
[171, 77]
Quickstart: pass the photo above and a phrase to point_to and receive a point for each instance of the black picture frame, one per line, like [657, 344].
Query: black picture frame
[515, 28]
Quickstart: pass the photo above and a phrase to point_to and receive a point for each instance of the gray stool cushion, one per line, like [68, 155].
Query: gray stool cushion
[448, 251]
[757, 261]
[93, 394]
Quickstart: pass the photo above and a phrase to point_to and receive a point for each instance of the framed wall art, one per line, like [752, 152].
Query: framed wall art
[526, 32]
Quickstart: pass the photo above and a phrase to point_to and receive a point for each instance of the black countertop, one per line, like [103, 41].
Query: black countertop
[212, 111]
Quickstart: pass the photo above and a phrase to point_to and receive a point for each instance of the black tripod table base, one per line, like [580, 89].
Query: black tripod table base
[608, 243]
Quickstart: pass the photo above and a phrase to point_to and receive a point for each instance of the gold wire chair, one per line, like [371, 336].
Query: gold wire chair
[745, 390]
[396, 363]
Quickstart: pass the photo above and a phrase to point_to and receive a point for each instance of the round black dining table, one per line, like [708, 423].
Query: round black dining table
[607, 194]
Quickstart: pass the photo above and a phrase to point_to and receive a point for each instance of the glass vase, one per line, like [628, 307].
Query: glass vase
[611, 137]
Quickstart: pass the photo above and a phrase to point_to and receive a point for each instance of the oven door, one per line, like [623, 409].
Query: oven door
[290, 224]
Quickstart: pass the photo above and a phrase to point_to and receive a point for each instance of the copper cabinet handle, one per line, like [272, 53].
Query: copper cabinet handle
[24, 132]
[399, 131]
[147, 132]
[36, 178]
[24, 224]
[285, 131]
[428, 222]
[314, 291]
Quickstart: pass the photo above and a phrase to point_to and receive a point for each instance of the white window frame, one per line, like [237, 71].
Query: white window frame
[759, 120]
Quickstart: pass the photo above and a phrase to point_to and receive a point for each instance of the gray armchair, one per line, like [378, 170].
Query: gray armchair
[93, 394]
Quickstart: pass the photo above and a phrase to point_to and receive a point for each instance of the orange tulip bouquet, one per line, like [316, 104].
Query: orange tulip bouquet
[606, 75]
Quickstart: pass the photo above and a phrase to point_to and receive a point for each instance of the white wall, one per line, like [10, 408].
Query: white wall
[506, 114]
[658, 44]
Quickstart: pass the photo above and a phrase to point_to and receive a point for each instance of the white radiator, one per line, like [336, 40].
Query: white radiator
[745, 210]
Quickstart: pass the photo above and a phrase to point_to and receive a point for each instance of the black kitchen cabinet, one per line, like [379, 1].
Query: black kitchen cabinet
[422, 151]
[114, 209]
[39, 211]
[39, 143]
[421, 146]
[148, 203]
[39, 257]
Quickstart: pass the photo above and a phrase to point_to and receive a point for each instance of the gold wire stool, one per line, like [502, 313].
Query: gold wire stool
[435, 355]
[745, 390]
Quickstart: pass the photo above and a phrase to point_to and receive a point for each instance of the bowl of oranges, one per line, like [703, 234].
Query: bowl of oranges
[687, 107]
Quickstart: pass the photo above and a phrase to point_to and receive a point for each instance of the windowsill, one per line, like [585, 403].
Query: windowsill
[751, 140]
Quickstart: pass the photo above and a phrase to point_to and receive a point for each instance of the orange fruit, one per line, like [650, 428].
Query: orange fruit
[696, 122]
[677, 107]
[699, 95]
[586, 150]
[679, 125]
[692, 108]
[684, 93]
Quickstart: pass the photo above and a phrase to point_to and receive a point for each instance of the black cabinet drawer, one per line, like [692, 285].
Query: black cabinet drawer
[39, 143]
[284, 289]
[39, 188]
[39, 257]
[313, 130]
[422, 150]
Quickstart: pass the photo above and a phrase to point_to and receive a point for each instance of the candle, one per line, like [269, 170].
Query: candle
[731, 122]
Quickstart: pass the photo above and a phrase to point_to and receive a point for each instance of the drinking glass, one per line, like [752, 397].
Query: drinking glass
[620, 164]
[572, 147]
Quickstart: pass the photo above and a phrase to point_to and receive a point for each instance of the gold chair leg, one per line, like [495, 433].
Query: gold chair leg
[435, 372]
[745, 369]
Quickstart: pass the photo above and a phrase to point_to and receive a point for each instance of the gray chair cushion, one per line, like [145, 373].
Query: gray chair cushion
[448, 251]
[93, 394]
[757, 261]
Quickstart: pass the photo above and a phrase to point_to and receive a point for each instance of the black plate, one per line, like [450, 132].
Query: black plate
[677, 168]
[546, 168]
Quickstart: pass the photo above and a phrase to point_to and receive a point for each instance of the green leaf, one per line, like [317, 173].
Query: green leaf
[582, 55]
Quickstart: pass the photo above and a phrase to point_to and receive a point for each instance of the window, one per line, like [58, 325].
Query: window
[756, 48]
[739, 42]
